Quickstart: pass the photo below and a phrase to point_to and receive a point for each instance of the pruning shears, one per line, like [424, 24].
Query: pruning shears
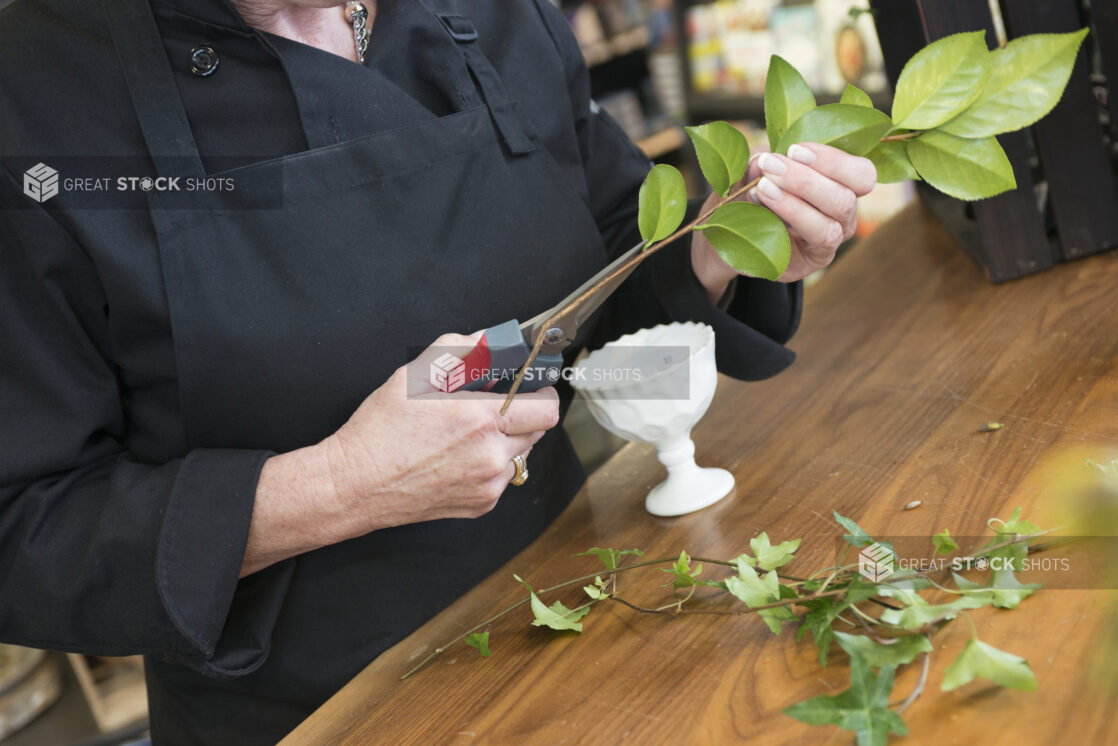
[492, 365]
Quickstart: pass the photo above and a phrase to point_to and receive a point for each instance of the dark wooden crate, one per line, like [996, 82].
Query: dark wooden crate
[1066, 204]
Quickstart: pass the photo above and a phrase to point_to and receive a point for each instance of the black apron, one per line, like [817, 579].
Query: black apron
[383, 243]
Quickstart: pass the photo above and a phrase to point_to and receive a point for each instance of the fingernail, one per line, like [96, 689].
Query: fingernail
[751, 195]
[769, 189]
[770, 164]
[801, 154]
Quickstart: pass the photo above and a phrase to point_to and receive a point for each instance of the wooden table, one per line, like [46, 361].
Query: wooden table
[904, 352]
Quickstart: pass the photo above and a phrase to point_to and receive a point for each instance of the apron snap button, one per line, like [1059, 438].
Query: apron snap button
[203, 61]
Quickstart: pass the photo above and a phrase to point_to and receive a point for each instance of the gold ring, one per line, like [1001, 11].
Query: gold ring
[521, 470]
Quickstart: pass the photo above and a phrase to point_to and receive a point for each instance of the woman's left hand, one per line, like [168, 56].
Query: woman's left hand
[815, 191]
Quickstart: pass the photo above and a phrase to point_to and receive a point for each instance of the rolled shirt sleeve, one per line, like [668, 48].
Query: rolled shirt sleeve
[101, 552]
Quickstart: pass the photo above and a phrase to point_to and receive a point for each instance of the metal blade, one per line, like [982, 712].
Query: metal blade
[574, 313]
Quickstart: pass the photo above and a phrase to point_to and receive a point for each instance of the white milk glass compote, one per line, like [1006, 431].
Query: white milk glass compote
[641, 389]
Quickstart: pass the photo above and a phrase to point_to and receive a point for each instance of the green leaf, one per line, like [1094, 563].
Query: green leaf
[853, 129]
[965, 169]
[1027, 78]
[787, 98]
[855, 96]
[979, 660]
[857, 535]
[557, 616]
[662, 203]
[821, 615]
[893, 165]
[900, 652]
[685, 575]
[723, 154]
[480, 642]
[917, 612]
[609, 557]
[1004, 591]
[754, 591]
[1013, 555]
[750, 238]
[941, 80]
[768, 557]
[943, 542]
[863, 708]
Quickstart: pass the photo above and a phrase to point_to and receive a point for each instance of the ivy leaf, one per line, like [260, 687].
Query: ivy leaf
[857, 535]
[1004, 591]
[768, 557]
[943, 542]
[750, 238]
[917, 611]
[863, 708]
[965, 169]
[685, 575]
[941, 81]
[1013, 555]
[609, 557]
[892, 163]
[557, 616]
[903, 651]
[480, 642]
[787, 98]
[662, 203]
[855, 96]
[753, 590]
[1027, 78]
[979, 660]
[723, 154]
[821, 615]
[853, 129]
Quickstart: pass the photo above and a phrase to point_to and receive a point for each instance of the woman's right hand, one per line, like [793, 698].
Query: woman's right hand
[405, 458]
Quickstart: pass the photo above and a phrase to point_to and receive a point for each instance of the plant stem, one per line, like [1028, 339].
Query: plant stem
[905, 136]
[626, 267]
[613, 573]
[919, 688]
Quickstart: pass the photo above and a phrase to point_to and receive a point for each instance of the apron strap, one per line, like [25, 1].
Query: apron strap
[151, 84]
[514, 127]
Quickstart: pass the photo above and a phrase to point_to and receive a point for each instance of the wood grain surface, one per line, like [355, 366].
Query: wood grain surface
[904, 352]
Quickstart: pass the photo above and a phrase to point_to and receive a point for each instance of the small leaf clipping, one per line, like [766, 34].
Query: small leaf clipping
[723, 154]
[750, 238]
[662, 203]
[979, 660]
[941, 81]
[480, 642]
[557, 616]
[787, 98]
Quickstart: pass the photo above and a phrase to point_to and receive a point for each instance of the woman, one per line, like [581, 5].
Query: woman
[209, 454]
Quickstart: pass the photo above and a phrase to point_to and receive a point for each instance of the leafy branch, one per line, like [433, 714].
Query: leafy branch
[875, 644]
[952, 100]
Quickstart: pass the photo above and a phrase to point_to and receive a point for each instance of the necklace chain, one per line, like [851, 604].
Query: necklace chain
[356, 14]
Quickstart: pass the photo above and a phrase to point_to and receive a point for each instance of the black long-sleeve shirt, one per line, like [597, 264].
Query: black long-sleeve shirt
[116, 535]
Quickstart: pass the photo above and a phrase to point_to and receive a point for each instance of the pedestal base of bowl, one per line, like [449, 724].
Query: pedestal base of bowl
[693, 490]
